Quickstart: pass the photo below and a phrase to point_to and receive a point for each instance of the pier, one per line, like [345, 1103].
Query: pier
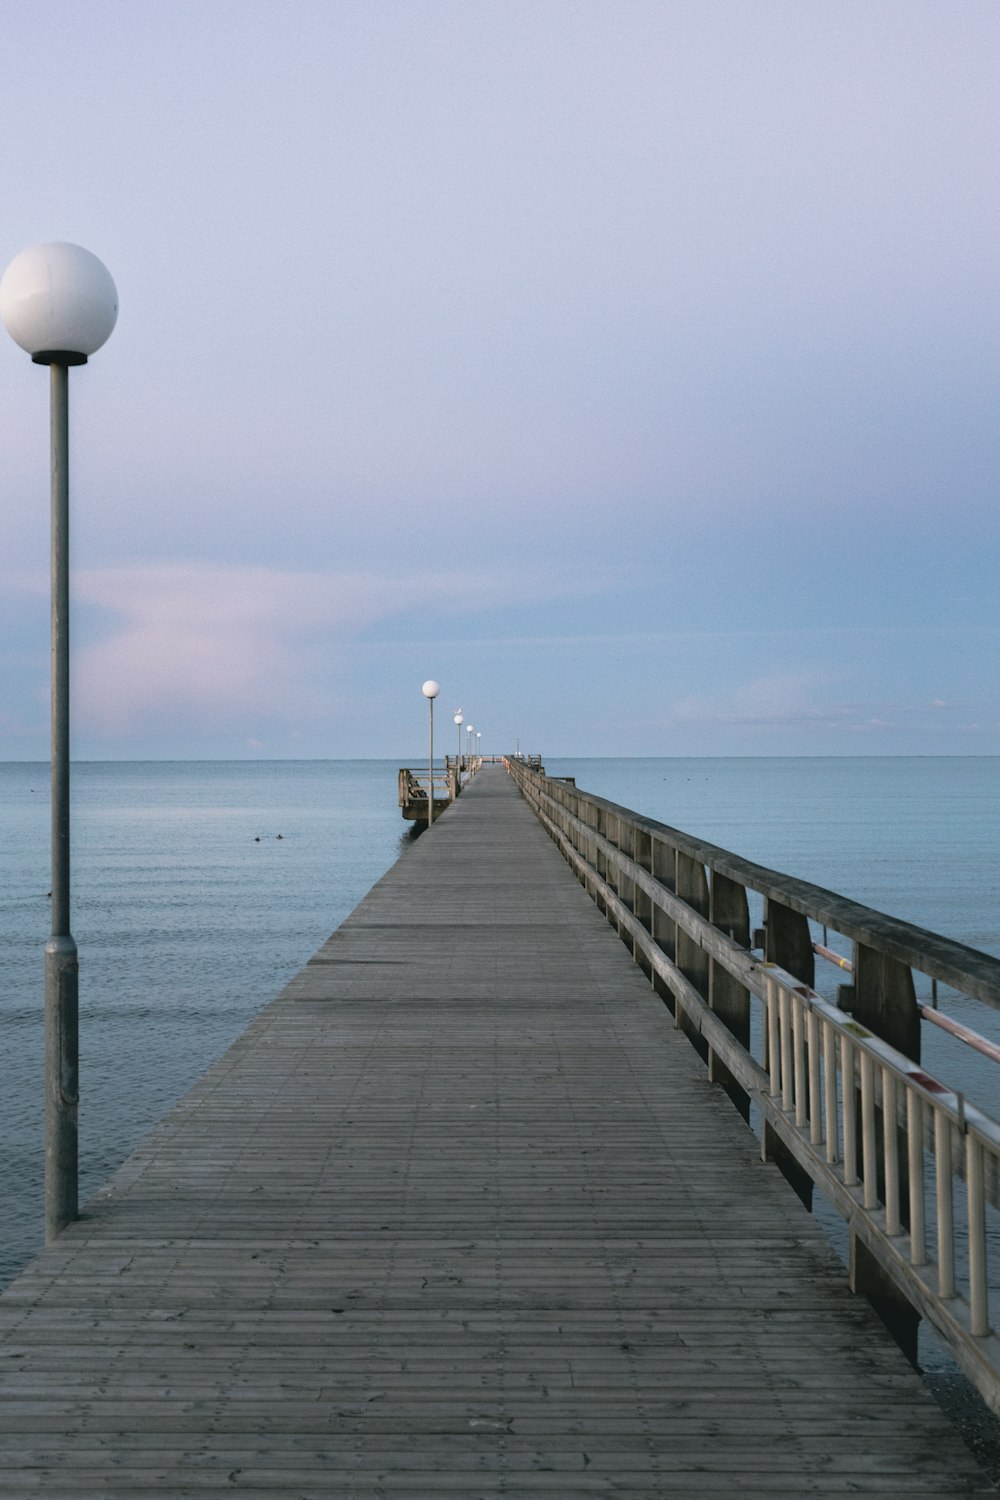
[464, 1212]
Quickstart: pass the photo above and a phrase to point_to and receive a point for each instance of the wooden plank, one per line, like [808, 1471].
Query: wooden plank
[458, 1214]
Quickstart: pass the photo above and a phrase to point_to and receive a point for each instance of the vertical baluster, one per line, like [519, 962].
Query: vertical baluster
[799, 1054]
[785, 1033]
[915, 1150]
[979, 1310]
[869, 1154]
[945, 1206]
[815, 1113]
[773, 1037]
[830, 1090]
[849, 1113]
[890, 1138]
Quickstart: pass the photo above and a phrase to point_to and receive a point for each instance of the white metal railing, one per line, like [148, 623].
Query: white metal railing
[973, 1039]
[917, 1195]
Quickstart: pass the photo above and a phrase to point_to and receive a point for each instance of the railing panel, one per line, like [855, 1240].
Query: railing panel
[848, 1110]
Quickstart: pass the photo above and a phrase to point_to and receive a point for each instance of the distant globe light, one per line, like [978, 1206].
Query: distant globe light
[58, 302]
[431, 688]
[459, 717]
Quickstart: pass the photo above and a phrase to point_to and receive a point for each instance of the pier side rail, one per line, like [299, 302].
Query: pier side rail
[915, 1198]
[413, 790]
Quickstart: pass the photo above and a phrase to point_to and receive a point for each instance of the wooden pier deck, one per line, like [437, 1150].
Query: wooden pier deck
[459, 1214]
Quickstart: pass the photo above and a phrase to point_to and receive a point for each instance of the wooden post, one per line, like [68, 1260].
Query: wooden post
[885, 1003]
[589, 814]
[788, 943]
[626, 842]
[600, 859]
[615, 877]
[643, 906]
[692, 960]
[664, 928]
[729, 999]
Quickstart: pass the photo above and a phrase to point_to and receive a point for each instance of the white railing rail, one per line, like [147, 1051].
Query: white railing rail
[915, 1197]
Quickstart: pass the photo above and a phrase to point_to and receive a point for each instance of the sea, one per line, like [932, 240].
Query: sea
[201, 887]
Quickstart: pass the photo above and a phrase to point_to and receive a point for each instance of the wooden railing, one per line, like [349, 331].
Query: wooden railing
[819, 1080]
[447, 785]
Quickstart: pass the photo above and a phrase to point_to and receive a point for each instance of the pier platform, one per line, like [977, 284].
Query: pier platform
[459, 1214]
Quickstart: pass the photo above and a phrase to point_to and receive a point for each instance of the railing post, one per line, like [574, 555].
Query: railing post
[692, 960]
[600, 858]
[730, 1000]
[664, 928]
[885, 1002]
[788, 943]
[642, 853]
[614, 877]
[590, 817]
[626, 885]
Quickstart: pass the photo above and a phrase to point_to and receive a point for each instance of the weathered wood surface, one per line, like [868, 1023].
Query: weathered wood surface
[459, 1214]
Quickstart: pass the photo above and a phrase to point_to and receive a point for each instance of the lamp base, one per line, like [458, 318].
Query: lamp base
[58, 357]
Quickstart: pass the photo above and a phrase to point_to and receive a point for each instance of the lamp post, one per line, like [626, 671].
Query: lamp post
[430, 691]
[479, 748]
[459, 720]
[469, 731]
[60, 304]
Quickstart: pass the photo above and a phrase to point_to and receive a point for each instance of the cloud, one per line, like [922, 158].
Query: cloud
[223, 644]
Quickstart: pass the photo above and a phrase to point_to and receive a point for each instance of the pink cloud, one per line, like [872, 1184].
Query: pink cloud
[221, 642]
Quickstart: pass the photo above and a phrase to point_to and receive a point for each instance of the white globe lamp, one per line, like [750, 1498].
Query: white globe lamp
[58, 302]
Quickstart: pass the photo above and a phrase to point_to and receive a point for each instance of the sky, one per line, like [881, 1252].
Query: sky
[630, 368]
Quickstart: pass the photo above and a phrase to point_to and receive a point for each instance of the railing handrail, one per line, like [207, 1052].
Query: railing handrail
[939, 957]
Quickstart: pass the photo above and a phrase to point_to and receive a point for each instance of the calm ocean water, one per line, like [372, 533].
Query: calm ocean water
[187, 924]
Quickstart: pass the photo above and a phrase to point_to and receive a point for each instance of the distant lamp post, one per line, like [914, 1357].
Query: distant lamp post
[60, 304]
[459, 720]
[469, 732]
[479, 748]
[430, 691]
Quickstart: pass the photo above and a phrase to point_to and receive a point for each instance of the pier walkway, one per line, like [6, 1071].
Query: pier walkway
[459, 1214]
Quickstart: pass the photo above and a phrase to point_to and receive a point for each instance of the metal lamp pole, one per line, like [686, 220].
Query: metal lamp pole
[60, 304]
[430, 691]
[62, 1055]
[479, 748]
[459, 720]
[469, 731]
